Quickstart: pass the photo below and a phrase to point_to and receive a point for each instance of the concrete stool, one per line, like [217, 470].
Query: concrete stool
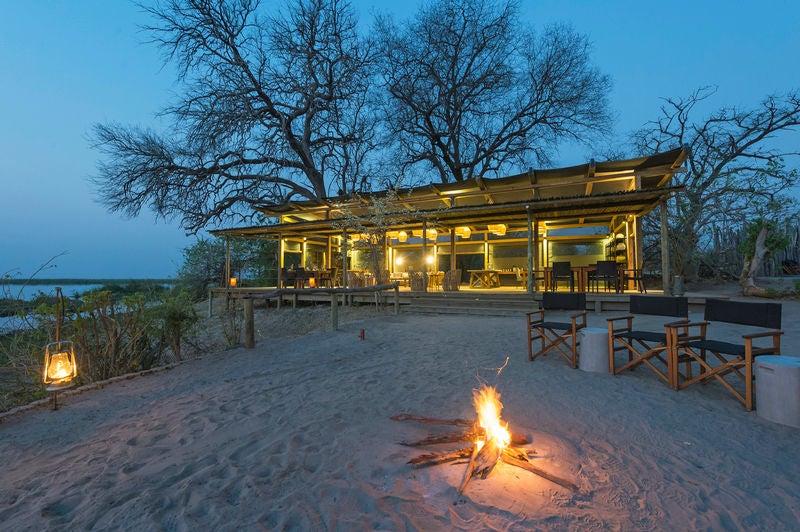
[593, 349]
[778, 389]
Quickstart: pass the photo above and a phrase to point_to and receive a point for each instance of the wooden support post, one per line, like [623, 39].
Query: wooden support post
[295, 297]
[334, 312]
[529, 281]
[249, 326]
[665, 251]
[278, 301]
[396, 299]
[424, 255]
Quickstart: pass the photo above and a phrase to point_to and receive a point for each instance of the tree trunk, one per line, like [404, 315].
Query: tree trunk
[751, 264]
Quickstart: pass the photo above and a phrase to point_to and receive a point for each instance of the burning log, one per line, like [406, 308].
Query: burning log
[432, 459]
[454, 437]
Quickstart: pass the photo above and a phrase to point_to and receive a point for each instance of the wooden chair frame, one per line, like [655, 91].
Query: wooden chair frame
[729, 358]
[561, 337]
[649, 348]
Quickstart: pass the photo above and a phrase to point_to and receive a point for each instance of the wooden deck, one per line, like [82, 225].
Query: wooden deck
[502, 301]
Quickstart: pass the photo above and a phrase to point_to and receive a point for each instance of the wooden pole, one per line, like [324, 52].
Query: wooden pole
[530, 249]
[396, 299]
[334, 312]
[665, 251]
[536, 246]
[424, 255]
[249, 326]
[227, 282]
[452, 248]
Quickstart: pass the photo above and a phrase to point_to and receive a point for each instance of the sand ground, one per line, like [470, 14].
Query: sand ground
[296, 435]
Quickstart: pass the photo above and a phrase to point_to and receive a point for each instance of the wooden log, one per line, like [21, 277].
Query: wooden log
[431, 420]
[470, 469]
[432, 459]
[449, 437]
[249, 325]
[334, 312]
[487, 458]
[512, 458]
[469, 435]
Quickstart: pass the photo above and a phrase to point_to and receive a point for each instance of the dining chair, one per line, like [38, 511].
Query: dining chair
[606, 271]
[562, 271]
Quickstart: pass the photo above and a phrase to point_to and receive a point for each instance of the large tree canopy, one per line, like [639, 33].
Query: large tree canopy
[473, 92]
[736, 171]
[273, 108]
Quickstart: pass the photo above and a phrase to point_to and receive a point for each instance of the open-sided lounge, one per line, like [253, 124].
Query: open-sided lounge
[494, 232]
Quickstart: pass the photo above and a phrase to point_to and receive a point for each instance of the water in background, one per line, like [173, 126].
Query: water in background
[28, 292]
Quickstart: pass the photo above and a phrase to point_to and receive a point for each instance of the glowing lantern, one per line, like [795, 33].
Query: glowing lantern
[59, 364]
[402, 236]
[497, 229]
[429, 259]
[232, 282]
[59, 357]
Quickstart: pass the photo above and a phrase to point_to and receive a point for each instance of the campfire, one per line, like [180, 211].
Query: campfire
[492, 442]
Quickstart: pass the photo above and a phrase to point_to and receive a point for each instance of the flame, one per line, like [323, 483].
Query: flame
[488, 406]
[60, 367]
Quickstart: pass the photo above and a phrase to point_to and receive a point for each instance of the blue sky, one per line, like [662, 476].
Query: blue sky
[69, 64]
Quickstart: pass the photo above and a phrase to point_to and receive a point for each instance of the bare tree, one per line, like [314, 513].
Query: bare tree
[274, 108]
[735, 171]
[473, 92]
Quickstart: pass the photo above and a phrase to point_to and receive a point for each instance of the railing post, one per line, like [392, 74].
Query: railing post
[396, 299]
[249, 326]
[334, 312]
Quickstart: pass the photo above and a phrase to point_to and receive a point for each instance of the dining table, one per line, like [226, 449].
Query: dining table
[484, 278]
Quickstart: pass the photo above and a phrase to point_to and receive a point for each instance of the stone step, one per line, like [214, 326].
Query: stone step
[470, 311]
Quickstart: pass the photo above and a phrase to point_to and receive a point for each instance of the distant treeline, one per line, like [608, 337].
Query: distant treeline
[38, 281]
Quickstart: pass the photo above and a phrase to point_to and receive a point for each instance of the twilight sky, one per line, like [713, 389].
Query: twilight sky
[69, 64]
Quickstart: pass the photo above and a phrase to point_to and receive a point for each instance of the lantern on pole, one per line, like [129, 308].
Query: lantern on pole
[59, 358]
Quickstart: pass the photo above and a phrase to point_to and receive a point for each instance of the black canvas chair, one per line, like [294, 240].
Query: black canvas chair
[605, 272]
[562, 271]
[555, 335]
[646, 347]
[730, 359]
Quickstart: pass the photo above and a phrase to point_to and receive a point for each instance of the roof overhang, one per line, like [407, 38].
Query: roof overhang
[590, 194]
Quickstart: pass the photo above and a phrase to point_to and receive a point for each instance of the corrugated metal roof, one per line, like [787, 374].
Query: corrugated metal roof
[592, 193]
